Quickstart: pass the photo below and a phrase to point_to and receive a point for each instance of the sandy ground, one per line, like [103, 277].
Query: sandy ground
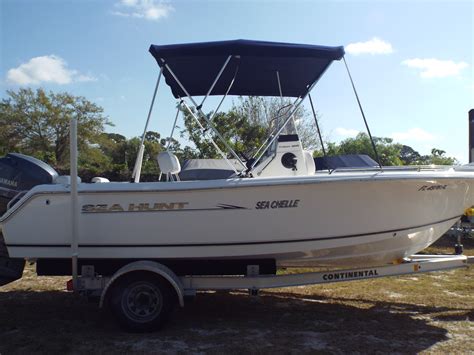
[429, 313]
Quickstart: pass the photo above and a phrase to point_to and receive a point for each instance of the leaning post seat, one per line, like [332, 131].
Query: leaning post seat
[169, 164]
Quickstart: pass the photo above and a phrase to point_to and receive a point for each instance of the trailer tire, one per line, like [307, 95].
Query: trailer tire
[142, 302]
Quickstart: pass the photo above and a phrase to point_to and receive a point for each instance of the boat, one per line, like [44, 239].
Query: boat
[274, 210]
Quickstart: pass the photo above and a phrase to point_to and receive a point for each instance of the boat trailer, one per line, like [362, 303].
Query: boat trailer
[143, 293]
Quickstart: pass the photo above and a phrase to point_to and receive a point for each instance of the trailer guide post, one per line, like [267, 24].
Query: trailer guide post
[74, 200]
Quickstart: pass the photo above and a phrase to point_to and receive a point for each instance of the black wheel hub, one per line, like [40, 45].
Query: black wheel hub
[142, 302]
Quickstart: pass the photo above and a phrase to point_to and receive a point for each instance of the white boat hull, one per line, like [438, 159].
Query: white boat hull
[348, 219]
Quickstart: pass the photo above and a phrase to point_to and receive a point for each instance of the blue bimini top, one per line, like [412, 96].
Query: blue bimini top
[254, 65]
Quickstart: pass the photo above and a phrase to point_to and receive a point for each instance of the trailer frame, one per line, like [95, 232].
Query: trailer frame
[177, 288]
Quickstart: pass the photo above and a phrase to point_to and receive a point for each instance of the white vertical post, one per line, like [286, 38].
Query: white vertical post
[137, 169]
[74, 199]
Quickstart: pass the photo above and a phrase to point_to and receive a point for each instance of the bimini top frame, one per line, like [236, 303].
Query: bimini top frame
[197, 64]
[204, 69]
[245, 68]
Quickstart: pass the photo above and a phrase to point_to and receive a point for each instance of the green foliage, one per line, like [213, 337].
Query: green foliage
[245, 127]
[241, 135]
[123, 153]
[37, 123]
[267, 111]
[438, 157]
[390, 153]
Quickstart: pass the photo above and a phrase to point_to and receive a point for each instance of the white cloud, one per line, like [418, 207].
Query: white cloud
[45, 69]
[435, 68]
[346, 132]
[373, 46]
[152, 10]
[414, 134]
[84, 78]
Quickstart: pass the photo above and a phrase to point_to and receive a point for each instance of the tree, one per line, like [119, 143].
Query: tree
[246, 126]
[37, 123]
[267, 111]
[409, 156]
[389, 152]
[438, 157]
[122, 153]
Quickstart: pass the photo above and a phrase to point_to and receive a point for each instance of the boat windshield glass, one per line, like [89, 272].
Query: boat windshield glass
[277, 122]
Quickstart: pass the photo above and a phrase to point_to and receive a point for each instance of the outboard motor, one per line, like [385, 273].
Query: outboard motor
[18, 174]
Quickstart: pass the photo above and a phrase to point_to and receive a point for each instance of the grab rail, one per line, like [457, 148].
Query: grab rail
[16, 198]
[393, 168]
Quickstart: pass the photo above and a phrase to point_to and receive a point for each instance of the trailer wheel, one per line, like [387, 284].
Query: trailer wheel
[142, 303]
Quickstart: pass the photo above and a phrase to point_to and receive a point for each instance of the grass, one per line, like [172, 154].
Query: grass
[426, 313]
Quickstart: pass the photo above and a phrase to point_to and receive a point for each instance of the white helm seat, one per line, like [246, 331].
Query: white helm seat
[169, 164]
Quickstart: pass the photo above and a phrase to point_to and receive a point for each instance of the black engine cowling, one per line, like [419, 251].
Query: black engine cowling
[19, 173]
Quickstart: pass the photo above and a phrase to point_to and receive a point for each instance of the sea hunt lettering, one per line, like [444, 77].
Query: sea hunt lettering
[134, 207]
[350, 275]
[12, 183]
[156, 206]
[432, 187]
[263, 205]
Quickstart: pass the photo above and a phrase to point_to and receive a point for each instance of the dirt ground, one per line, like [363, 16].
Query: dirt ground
[429, 313]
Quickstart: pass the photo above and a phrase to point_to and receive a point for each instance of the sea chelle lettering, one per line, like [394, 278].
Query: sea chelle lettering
[262, 205]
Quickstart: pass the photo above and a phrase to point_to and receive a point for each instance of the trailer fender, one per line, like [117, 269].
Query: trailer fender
[150, 266]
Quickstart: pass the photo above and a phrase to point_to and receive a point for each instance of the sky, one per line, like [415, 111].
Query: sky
[411, 61]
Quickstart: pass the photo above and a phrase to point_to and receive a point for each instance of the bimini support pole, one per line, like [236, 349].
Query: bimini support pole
[178, 109]
[295, 105]
[168, 143]
[226, 93]
[279, 86]
[214, 83]
[210, 138]
[363, 115]
[281, 95]
[137, 169]
[198, 107]
[317, 124]
[74, 200]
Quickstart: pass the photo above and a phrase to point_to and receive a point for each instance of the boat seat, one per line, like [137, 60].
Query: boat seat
[99, 180]
[169, 165]
[208, 169]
